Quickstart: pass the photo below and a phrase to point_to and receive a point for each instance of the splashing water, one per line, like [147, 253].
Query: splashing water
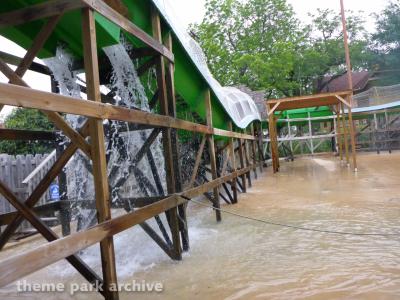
[125, 81]
[79, 180]
[128, 91]
[61, 67]
[122, 144]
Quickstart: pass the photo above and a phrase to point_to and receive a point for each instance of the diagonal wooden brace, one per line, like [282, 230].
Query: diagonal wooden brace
[197, 162]
[343, 101]
[56, 118]
[47, 233]
[42, 187]
[37, 45]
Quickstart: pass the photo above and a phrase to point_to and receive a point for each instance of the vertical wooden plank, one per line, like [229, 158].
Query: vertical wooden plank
[65, 215]
[242, 165]
[233, 163]
[98, 152]
[339, 133]
[211, 147]
[376, 127]
[175, 146]
[310, 132]
[260, 145]
[273, 143]
[167, 135]
[352, 135]
[253, 151]
[345, 136]
[290, 132]
[247, 161]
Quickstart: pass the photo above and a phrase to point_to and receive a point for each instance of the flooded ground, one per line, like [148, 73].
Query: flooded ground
[243, 259]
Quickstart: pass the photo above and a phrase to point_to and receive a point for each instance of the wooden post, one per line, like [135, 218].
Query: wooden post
[211, 149]
[167, 136]
[98, 152]
[273, 143]
[335, 138]
[339, 132]
[310, 132]
[350, 83]
[290, 133]
[345, 137]
[376, 127]
[242, 165]
[175, 147]
[388, 135]
[352, 136]
[233, 163]
[260, 146]
[253, 151]
[247, 161]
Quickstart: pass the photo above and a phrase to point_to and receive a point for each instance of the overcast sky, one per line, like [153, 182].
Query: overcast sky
[192, 11]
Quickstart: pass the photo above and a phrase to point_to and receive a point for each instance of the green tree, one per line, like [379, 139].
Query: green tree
[261, 44]
[28, 119]
[251, 43]
[387, 43]
[326, 42]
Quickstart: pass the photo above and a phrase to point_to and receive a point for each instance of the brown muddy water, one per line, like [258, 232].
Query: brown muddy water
[242, 259]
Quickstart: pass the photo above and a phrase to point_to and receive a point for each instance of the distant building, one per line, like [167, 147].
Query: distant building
[337, 83]
[259, 99]
[2, 125]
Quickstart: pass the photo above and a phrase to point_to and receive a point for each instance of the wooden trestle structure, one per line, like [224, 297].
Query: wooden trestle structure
[90, 140]
[338, 101]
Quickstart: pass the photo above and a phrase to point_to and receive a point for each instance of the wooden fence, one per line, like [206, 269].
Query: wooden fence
[22, 173]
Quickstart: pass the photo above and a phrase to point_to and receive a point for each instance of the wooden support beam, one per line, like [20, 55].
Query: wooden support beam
[211, 149]
[115, 17]
[54, 117]
[345, 136]
[37, 45]
[233, 164]
[197, 161]
[170, 81]
[242, 165]
[38, 11]
[157, 239]
[16, 61]
[24, 264]
[26, 135]
[260, 145]
[7, 218]
[343, 101]
[246, 156]
[98, 152]
[273, 143]
[225, 164]
[47, 233]
[271, 112]
[41, 188]
[28, 98]
[339, 132]
[253, 151]
[167, 134]
[352, 136]
[146, 66]
[133, 163]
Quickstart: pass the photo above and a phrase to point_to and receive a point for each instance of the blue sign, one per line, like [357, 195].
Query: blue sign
[54, 192]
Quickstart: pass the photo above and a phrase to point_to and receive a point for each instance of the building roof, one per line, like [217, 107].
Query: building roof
[258, 97]
[360, 81]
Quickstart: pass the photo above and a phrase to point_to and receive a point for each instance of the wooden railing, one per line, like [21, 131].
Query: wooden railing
[246, 145]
